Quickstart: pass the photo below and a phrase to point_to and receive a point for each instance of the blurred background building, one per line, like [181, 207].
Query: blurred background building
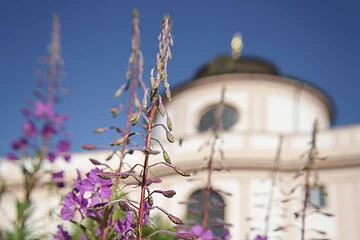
[261, 105]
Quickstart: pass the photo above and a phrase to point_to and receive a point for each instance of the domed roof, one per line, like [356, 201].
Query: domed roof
[225, 64]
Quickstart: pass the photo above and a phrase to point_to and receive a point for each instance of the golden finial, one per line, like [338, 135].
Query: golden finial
[236, 46]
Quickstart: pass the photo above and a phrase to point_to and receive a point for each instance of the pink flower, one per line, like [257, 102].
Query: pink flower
[26, 112]
[63, 148]
[29, 128]
[12, 157]
[51, 157]
[43, 109]
[48, 131]
[19, 144]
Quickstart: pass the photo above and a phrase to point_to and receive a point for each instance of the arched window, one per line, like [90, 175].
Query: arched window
[216, 210]
[229, 118]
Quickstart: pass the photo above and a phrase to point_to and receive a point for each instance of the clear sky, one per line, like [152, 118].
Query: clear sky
[317, 41]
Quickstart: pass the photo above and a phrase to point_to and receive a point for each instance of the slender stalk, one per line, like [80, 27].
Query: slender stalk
[145, 171]
[134, 79]
[311, 158]
[274, 175]
[216, 130]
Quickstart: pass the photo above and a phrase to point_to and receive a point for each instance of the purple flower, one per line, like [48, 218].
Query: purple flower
[226, 234]
[146, 215]
[62, 234]
[121, 226]
[260, 237]
[63, 148]
[21, 143]
[58, 179]
[26, 112]
[12, 157]
[43, 109]
[29, 128]
[48, 131]
[72, 203]
[60, 118]
[51, 157]
[97, 186]
[205, 234]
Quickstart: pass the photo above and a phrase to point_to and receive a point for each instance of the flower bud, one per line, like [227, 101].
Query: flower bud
[182, 172]
[168, 123]
[170, 137]
[166, 157]
[120, 90]
[114, 112]
[94, 161]
[88, 146]
[124, 206]
[175, 219]
[169, 193]
[135, 118]
[100, 130]
[106, 175]
[187, 236]
[98, 207]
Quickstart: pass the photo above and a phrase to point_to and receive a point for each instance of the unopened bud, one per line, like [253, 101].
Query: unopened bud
[98, 207]
[120, 90]
[150, 200]
[114, 112]
[135, 118]
[168, 94]
[175, 219]
[170, 137]
[169, 193]
[168, 123]
[124, 206]
[166, 157]
[182, 172]
[187, 236]
[88, 146]
[100, 130]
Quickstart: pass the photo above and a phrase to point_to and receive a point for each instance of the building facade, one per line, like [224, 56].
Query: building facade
[266, 117]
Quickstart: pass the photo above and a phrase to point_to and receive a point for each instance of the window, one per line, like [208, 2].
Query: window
[229, 118]
[195, 210]
[317, 196]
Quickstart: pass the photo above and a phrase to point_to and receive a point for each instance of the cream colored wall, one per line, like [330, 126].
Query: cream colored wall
[264, 102]
[266, 110]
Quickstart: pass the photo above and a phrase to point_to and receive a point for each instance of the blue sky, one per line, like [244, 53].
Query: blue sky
[306, 39]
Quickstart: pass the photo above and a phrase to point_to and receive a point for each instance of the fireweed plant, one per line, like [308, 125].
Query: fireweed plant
[205, 229]
[310, 176]
[44, 138]
[275, 182]
[99, 196]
